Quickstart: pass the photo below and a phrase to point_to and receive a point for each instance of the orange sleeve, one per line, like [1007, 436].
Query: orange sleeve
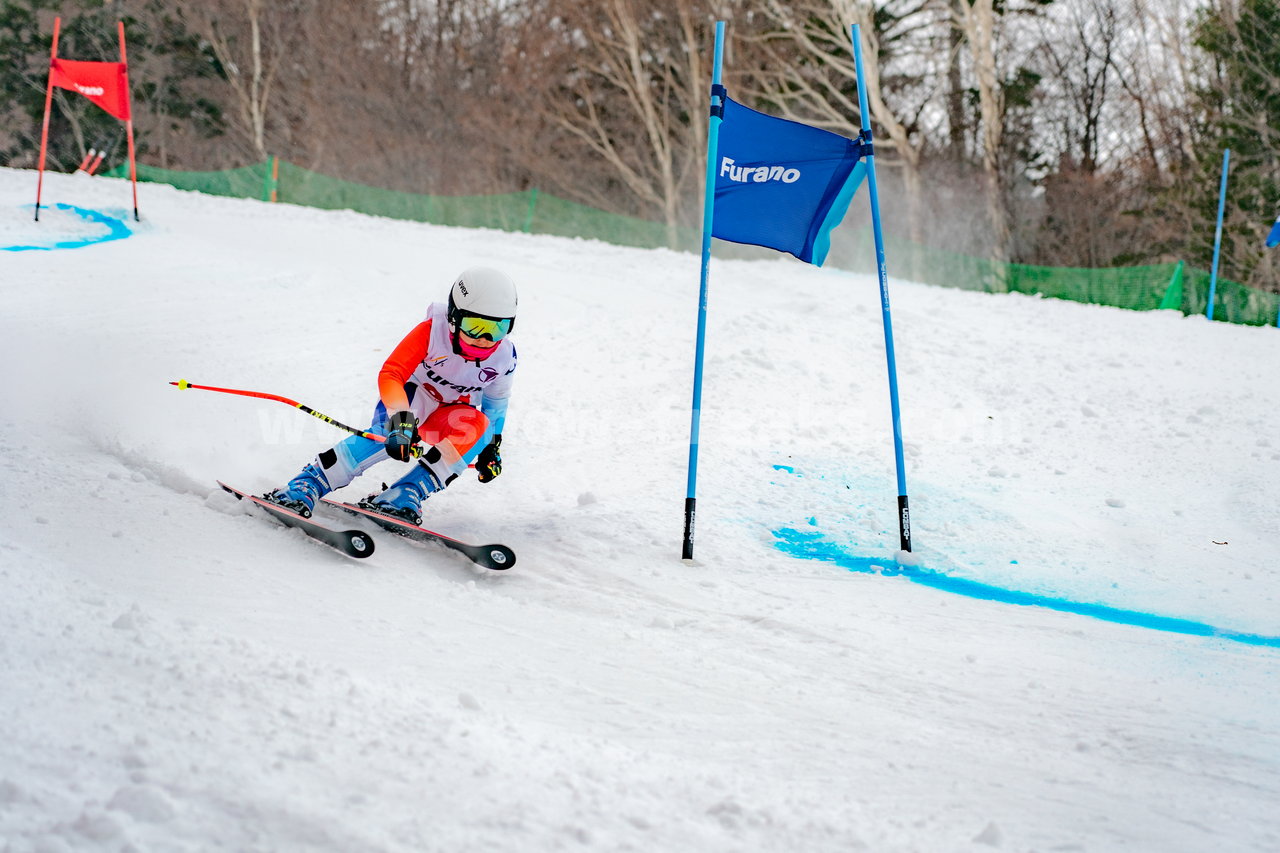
[399, 366]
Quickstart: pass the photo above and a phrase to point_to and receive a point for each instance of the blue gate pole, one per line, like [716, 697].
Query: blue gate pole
[904, 511]
[1217, 237]
[708, 211]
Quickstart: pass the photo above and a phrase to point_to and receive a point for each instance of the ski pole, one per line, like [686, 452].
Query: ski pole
[183, 385]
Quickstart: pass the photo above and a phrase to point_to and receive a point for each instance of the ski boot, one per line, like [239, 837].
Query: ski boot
[404, 499]
[302, 492]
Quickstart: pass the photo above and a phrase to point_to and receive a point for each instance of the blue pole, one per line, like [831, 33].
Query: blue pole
[904, 512]
[708, 212]
[1217, 237]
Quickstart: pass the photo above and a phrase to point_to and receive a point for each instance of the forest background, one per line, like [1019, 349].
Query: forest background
[1083, 133]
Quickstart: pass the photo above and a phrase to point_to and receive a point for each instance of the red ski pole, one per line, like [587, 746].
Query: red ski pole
[183, 385]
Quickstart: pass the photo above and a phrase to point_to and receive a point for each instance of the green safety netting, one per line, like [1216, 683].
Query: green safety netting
[1232, 302]
[529, 211]
[1141, 288]
[245, 182]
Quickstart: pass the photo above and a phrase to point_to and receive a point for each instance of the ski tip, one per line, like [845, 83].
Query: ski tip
[499, 558]
[359, 545]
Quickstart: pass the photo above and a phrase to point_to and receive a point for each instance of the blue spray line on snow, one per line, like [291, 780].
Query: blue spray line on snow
[116, 230]
[809, 545]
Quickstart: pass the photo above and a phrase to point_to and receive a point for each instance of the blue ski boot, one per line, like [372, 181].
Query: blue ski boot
[404, 499]
[302, 492]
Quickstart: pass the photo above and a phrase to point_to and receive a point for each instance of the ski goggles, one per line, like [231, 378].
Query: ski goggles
[484, 327]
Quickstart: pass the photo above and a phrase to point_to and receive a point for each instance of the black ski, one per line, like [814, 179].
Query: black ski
[495, 557]
[353, 543]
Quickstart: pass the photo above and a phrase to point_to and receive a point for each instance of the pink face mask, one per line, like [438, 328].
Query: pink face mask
[471, 352]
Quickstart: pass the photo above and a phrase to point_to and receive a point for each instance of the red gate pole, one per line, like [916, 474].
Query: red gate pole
[48, 103]
[133, 164]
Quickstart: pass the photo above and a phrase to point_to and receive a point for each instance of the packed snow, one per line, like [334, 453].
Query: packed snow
[180, 674]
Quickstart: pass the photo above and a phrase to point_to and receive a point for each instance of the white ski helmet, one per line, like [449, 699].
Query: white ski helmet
[487, 297]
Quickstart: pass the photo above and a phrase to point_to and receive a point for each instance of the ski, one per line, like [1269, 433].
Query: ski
[353, 543]
[494, 557]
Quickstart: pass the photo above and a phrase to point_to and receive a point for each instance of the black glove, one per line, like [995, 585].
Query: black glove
[402, 435]
[489, 462]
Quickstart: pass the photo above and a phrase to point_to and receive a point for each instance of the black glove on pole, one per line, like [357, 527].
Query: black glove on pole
[489, 462]
[402, 435]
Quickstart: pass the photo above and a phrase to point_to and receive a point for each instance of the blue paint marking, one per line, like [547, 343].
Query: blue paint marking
[116, 230]
[814, 546]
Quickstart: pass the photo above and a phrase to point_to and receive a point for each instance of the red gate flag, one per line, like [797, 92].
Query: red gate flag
[104, 83]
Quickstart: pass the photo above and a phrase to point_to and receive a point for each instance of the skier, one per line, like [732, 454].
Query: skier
[458, 358]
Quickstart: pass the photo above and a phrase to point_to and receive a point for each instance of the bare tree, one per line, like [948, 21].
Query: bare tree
[956, 114]
[1124, 210]
[1079, 53]
[626, 81]
[977, 20]
[1087, 194]
[805, 72]
[251, 40]
[430, 107]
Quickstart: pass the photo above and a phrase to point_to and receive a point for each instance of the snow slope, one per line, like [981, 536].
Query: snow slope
[177, 674]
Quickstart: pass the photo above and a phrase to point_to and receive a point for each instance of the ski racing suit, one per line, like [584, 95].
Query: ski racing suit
[460, 406]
